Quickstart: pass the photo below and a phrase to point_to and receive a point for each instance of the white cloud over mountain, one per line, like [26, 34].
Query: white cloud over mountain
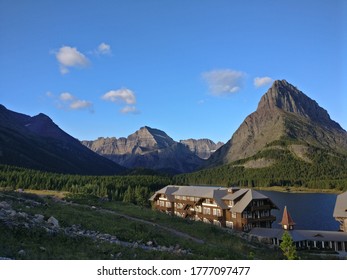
[262, 81]
[224, 81]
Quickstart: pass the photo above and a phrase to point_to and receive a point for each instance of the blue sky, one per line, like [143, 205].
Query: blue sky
[194, 69]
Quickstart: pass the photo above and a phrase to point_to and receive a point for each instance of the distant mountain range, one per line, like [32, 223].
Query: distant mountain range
[38, 143]
[287, 127]
[154, 149]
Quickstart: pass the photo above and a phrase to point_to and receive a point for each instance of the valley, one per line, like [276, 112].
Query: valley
[92, 197]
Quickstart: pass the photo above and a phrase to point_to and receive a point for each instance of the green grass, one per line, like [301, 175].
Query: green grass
[218, 243]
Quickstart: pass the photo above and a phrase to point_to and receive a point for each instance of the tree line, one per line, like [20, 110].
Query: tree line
[129, 188]
[325, 170]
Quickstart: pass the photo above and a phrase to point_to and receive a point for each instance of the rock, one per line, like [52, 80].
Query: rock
[22, 215]
[11, 213]
[5, 205]
[149, 243]
[42, 248]
[39, 217]
[135, 245]
[21, 253]
[53, 221]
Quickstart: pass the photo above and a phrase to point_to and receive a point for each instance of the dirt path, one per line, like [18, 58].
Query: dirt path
[171, 230]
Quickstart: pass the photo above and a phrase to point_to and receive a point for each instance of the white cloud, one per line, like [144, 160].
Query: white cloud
[262, 81]
[70, 57]
[129, 110]
[69, 101]
[65, 96]
[120, 96]
[104, 48]
[123, 95]
[224, 81]
[80, 104]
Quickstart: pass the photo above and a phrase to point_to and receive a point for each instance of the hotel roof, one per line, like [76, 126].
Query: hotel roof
[242, 197]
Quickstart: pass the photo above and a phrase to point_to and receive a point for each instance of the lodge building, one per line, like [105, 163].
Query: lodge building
[239, 209]
[340, 211]
[303, 239]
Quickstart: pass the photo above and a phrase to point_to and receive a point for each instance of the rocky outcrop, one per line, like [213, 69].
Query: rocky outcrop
[203, 148]
[12, 218]
[147, 148]
[284, 112]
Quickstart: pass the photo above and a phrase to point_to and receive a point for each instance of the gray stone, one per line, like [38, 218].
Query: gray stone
[22, 253]
[53, 221]
[39, 217]
[22, 215]
[5, 205]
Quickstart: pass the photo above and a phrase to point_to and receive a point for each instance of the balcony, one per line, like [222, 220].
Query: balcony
[211, 217]
[260, 208]
[260, 219]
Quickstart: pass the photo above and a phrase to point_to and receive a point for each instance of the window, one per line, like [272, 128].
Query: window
[207, 211]
[198, 209]
[216, 212]
[230, 225]
[233, 215]
[168, 204]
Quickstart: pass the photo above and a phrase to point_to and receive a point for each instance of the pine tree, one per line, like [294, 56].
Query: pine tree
[288, 247]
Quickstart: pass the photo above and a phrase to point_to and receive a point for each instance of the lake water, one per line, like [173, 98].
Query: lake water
[308, 210]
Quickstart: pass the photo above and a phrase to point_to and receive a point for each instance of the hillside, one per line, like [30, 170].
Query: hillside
[88, 228]
[38, 143]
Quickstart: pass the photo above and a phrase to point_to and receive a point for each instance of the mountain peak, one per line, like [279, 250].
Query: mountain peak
[148, 137]
[286, 97]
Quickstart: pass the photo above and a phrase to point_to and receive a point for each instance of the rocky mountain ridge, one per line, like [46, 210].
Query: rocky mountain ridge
[147, 148]
[38, 143]
[203, 148]
[284, 114]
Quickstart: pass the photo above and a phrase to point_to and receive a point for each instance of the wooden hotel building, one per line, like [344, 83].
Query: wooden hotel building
[240, 209]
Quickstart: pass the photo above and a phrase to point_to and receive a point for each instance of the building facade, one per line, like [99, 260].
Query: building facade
[303, 239]
[340, 211]
[240, 209]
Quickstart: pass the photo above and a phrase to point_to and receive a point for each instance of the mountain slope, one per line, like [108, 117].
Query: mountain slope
[147, 148]
[38, 143]
[286, 114]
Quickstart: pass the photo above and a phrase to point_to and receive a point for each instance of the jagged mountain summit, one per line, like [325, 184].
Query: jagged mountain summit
[284, 115]
[203, 148]
[38, 143]
[147, 148]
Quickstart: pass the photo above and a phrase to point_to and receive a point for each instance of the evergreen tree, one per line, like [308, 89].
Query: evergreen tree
[287, 246]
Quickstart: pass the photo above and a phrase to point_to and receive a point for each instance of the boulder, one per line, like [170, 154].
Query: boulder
[5, 205]
[53, 221]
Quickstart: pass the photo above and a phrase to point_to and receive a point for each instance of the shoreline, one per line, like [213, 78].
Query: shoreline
[298, 190]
